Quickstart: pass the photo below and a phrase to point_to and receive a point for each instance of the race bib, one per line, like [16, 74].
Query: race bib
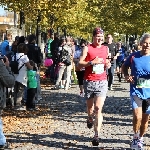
[143, 83]
[98, 69]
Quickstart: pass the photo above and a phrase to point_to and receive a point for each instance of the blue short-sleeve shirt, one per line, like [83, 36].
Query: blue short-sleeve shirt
[140, 69]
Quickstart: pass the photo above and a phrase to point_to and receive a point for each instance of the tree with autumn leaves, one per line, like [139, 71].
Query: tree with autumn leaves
[80, 16]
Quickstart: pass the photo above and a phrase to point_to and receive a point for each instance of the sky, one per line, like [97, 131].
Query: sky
[2, 11]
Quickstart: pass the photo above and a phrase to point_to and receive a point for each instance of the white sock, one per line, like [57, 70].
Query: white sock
[136, 135]
[141, 138]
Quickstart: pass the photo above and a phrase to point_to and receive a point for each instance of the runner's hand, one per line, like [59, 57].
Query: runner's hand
[108, 64]
[115, 57]
[129, 79]
[97, 60]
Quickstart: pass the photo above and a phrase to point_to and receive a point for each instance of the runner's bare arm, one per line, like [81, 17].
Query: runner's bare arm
[75, 60]
[116, 54]
[82, 62]
[108, 64]
[125, 70]
[128, 78]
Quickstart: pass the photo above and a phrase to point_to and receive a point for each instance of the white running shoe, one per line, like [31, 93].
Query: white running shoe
[137, 144]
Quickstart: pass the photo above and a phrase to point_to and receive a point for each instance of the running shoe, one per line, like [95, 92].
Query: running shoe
[95, 141]
[110, 88]
[137, 144]
[90, 122]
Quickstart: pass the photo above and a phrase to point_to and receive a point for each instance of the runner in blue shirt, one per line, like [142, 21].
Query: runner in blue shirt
[120, 59]
[139, 79]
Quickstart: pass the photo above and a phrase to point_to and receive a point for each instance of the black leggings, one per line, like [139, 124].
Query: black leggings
[80, 76]
[30, 97]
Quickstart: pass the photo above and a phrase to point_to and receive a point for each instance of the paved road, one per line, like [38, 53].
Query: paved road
[67, 129]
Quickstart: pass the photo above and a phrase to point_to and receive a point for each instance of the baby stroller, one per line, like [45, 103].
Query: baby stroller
[48, 63]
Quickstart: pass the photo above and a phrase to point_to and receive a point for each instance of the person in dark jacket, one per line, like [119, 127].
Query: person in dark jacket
[21, 40]
[7, 80]
[14, 45]
[55, 57]
[34, 54]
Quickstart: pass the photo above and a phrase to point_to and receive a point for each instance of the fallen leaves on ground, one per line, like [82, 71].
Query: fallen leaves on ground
[20, 126]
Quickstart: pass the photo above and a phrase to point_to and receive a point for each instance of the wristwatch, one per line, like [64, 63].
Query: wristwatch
[90, 62]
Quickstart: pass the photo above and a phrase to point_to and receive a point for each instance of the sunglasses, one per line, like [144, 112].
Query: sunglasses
[99, 31]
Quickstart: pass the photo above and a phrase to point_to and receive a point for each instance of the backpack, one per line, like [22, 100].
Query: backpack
[14, 65]
[67, 61]
[65, 56]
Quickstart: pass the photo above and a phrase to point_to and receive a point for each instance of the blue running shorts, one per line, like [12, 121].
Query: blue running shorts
[137, 102]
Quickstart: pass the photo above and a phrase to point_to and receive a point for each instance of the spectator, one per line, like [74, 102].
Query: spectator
[7, 79]
[65, 63]
[54, 51]
[15, 44]
[21, 78]
[21, 40]
[48, 54]
[48, 46]
[5, 48]
[80, 71]
[31, 87]
[34, 54]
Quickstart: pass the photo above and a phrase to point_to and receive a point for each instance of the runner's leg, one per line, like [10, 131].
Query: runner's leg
[144, 124]
[101, 88]
[137, 104]
[137, 118]
[90, 107]
[145, 117]
[88, 89]
[99, 102]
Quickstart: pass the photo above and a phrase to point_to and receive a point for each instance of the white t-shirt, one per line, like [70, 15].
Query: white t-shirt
[22, 76]
[77, 55]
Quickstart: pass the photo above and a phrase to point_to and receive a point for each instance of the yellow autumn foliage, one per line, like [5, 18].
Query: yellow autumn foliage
[79, 17]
